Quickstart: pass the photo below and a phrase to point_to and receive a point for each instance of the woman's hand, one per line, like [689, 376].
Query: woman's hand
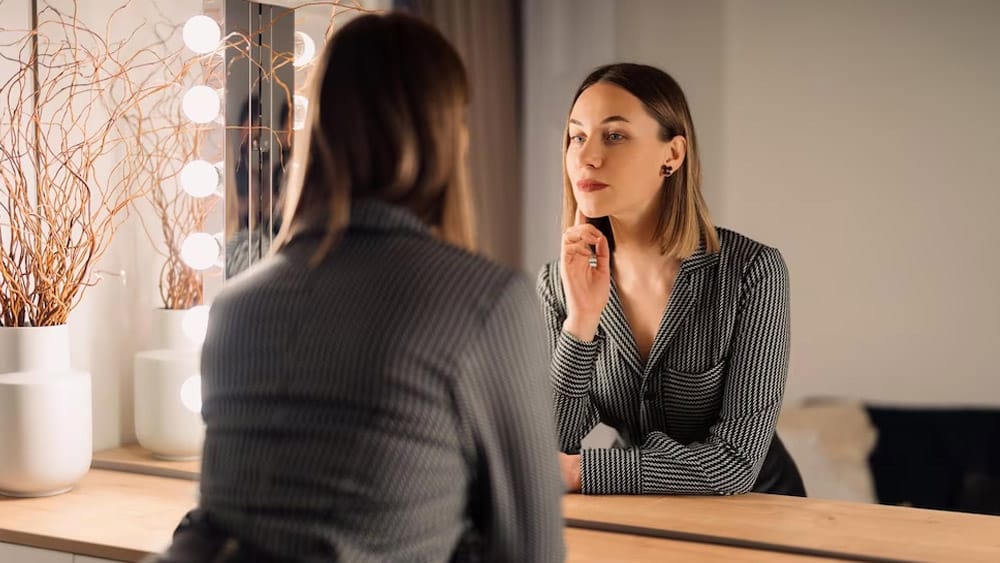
[586, 277]
[570, 466]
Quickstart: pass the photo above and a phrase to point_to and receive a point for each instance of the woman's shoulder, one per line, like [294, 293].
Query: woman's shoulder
[734, 245]
[743, 254]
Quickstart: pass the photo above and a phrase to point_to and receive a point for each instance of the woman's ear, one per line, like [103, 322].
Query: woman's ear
[675, 153]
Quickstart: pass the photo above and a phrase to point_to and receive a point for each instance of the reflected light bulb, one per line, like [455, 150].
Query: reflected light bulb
[201, 104]
[194, 324]
[305, 49]
[200, 251]
[300, 108]
[202, 34]
[200, 178]
[191, 393]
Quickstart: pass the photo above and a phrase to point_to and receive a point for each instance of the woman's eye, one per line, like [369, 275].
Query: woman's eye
[576, 139]
[616, 137]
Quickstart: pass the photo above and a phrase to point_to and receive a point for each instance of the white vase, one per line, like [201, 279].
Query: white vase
[168, 330]
[168, 403]
[34, 348]
[45, 432]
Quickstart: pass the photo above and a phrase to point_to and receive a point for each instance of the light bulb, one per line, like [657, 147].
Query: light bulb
[191, 393]
[200, 251]
[300, 108]
[194, 324]
[202, 34]
[305, 49]
[200, 179]
[201, 104]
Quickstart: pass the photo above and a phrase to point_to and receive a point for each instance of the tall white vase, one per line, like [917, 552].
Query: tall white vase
[168, 390]
[46, 436]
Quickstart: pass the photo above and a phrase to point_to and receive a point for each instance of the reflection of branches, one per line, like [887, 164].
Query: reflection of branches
[68, 166]
[169, 142]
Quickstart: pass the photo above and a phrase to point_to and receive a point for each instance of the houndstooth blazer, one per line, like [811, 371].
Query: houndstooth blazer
[699, 416]
[389, 404]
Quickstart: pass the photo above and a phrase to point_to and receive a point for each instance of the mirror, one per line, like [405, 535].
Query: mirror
[270, 50]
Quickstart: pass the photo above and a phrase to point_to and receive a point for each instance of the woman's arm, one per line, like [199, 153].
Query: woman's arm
[729, 459]
[572, 367]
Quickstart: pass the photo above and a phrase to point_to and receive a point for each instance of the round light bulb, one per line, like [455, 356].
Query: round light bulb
[200, 178]
[200, 251]
[194, 324]
[305, 49]
[300, 108]
[191, 393]
[201, 104]
[202, 34]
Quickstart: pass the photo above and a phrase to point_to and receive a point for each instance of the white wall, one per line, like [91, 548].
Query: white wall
[858, 138]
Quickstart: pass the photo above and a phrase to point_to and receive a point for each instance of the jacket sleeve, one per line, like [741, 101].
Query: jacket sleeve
[729, 459]
[506, 390]
[572, 367]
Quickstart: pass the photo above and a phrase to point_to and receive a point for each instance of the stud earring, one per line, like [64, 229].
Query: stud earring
[666, 171]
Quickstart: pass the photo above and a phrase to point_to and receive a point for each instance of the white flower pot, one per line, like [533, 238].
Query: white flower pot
[169, 333]
[45, 431]
[168, 403]
[34, 348]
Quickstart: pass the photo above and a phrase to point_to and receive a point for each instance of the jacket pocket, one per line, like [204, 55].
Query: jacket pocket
[692, 400]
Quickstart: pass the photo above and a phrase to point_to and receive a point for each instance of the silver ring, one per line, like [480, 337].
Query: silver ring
[592, 261]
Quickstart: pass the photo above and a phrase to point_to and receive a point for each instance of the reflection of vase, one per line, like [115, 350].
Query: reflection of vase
[168, 390]
[45, 413]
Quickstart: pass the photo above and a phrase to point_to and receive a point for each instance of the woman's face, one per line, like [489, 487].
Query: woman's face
[615, 153]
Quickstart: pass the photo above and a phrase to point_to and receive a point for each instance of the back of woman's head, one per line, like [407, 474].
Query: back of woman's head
[387, 122]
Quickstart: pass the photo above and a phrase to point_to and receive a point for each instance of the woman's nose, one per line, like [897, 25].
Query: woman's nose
[590, 155]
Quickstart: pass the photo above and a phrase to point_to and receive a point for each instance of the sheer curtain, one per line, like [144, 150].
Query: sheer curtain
[486, 34]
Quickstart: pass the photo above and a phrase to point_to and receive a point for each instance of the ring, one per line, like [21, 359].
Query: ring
[592, 261]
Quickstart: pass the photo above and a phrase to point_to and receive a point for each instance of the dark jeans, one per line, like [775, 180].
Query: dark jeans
[779, 475]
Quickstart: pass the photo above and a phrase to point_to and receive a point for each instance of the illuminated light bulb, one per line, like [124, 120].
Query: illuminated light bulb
[305, 50]
[201, 104]
[194, 324]
[191, 393]
[299, 110]
[200, 178]
[202, 34]
[200, 251]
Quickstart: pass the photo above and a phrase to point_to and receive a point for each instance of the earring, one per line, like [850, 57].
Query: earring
[666, 171]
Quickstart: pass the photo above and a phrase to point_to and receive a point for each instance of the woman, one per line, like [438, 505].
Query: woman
[662, 326]
[374, 391]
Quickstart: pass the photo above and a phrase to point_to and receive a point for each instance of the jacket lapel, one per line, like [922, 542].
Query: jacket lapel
[619, 332]
[683, 295]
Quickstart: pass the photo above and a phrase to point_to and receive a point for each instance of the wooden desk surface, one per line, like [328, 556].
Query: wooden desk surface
[863, 529]
[110, 514]
[133, 458]
[588, 545]
[125, 516]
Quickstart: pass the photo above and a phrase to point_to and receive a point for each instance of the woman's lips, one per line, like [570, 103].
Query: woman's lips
[590, 185]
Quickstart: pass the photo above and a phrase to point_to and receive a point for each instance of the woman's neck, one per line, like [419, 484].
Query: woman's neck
[638, 255]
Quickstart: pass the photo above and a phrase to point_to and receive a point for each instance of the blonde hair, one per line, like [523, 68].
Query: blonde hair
[684, 221]
[387, 123]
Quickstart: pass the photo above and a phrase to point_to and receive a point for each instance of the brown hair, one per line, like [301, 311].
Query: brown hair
[684, 219]
[390, 96]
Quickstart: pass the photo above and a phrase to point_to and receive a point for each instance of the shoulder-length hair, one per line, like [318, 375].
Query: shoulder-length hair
[684, 220]
[388, 122]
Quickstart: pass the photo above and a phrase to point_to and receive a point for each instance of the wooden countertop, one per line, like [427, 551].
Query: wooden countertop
[109, 514]
[871, 530]
[126, 516]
